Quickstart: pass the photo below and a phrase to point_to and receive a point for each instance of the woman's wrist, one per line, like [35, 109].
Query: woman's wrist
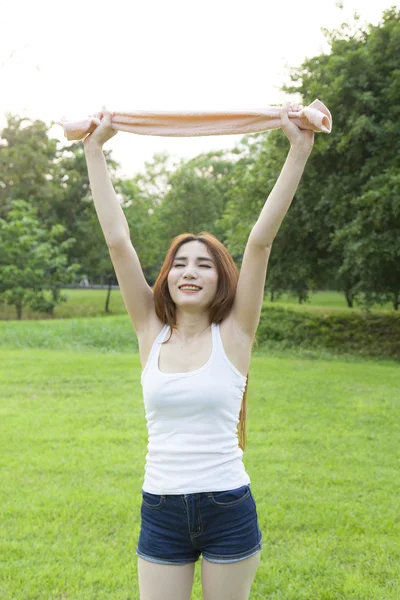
[92, 147]
[300, 152]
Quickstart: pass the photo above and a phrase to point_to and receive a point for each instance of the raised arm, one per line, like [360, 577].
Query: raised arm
[137, 294]
[108, 208]
[246, 309]
[281, 196]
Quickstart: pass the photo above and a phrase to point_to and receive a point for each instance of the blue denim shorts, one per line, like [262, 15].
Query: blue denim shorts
[177, 528]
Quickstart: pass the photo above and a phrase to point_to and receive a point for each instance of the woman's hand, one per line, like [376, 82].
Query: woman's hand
[300, 139]
[103, 131]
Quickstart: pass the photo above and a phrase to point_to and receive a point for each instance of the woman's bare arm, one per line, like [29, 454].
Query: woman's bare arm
[111, 216]
[137, 294]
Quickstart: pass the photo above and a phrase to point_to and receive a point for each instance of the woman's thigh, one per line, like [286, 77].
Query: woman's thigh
[169, 582]
[230, 581]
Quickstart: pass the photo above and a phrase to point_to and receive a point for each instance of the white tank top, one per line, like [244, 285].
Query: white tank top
[192, 421]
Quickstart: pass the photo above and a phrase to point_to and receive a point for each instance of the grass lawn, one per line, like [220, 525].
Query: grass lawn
[91, 303]
[323, 456]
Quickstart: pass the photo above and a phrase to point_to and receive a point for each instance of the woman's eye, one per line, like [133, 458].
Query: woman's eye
[207, 266]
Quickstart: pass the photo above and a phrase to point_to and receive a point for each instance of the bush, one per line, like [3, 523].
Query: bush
[373, 335]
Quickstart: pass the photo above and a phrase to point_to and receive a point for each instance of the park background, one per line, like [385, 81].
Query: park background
[323, 426]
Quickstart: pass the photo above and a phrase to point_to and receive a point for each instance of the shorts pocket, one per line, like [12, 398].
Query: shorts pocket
[230, 498]
[154, 501]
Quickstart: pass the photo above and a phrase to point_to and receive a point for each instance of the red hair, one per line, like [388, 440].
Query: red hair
[228, 275]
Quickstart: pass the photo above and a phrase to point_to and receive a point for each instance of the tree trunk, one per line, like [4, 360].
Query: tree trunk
[396, 301]
[108, 294]
[349, 298]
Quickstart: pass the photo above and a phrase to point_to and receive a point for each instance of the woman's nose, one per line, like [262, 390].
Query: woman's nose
[190, 272]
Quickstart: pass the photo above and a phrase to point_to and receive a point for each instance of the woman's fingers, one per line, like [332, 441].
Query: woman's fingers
[106, 116]
[284, 112]
[295, 107]
[297, 137]
[290, 129]
[289, 107]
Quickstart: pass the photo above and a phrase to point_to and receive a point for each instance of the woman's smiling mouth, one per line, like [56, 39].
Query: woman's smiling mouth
[189, 289]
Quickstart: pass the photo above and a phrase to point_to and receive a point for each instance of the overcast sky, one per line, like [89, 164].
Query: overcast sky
[70, 58]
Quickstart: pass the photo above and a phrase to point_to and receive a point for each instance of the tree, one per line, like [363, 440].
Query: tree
[351, 188]
[370, 240]
[26, 162]
[193, 204]
[55, 182]
[293, 258]
[73, 207]
[33, 261]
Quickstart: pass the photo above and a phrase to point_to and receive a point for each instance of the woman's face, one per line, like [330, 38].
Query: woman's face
[193, 265]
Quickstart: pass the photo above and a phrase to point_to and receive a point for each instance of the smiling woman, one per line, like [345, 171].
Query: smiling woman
[191, 277]
[217, 280]
[195, 331]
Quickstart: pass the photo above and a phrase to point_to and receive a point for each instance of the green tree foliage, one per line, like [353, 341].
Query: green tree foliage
[141, 198]
[294, 256]
[33, 261]
[166, 200]
[26, 162]
[352, 179]
[342, 228]
[73, 207]
[371, 240]
[192, 204]
[139, 212]
[55, 182]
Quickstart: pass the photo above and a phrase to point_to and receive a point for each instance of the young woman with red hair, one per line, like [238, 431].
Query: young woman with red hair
[195, 331]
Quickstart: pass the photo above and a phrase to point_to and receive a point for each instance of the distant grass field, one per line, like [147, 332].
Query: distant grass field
[323, 456]
[91, 303]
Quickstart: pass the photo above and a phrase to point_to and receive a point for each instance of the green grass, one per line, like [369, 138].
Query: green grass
[323, 456]
[91, 303]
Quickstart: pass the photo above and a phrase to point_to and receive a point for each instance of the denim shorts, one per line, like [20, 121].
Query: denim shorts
[177, 528]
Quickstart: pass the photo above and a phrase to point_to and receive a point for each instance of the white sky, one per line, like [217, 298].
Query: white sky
[70, 58]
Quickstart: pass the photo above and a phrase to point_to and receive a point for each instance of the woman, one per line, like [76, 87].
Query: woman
[195, 332]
